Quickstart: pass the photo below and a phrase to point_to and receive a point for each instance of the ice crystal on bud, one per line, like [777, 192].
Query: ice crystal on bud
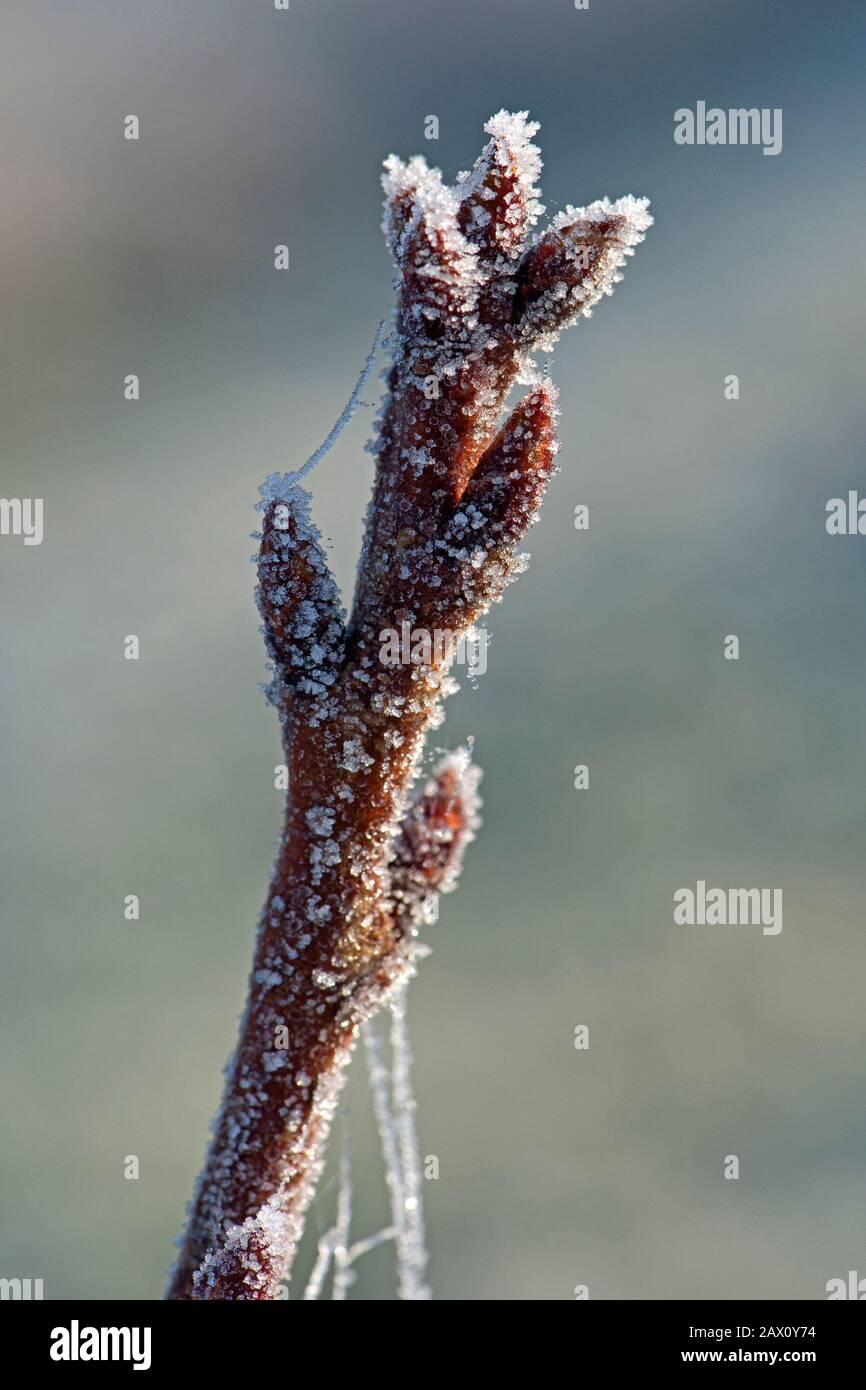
[441, 821]
[573, 265]
[440, 266]
[499, 199]
[297, 598]
[403, 184]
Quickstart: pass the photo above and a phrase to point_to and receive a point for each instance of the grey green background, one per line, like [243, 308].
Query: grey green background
[707, 518]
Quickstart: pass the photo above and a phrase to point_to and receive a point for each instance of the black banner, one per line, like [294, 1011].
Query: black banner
[74, 1339]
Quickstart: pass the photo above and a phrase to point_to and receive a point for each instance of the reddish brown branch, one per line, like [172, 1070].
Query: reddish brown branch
[454, 495]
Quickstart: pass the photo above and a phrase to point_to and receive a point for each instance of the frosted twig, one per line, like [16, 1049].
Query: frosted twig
[457, 488]
[363, 1247]
[411, 1245]
[395, 1117]
[359, 1248]
[334, 1244]
[380, 1088]
[319, 1272]
[342, 1276]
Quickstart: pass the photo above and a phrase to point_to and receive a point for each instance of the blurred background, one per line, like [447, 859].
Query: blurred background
[707, 517]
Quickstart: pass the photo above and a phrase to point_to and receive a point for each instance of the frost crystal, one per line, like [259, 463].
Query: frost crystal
[249, 1255]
